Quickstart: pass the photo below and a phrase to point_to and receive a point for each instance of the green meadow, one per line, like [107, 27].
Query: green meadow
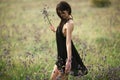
[28, 46]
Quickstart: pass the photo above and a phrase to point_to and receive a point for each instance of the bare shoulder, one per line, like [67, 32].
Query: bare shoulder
[70, 24]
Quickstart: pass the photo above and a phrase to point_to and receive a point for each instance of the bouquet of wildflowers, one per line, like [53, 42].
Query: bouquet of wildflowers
[46, 15]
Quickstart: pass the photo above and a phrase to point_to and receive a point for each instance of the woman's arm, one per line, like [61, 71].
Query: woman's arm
[68, 39]
[52, 28]
[69, 29]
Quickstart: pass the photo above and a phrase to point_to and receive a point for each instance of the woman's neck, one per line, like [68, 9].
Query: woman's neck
[69, 17]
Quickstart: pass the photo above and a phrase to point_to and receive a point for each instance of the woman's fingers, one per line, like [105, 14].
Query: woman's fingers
[68, 67]
[67, 70]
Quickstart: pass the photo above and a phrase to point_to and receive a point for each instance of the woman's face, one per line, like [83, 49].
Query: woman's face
[64, 14]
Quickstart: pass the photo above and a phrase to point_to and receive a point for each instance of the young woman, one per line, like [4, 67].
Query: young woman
[68, 59]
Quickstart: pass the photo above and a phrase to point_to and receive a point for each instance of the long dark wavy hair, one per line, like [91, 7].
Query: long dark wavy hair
[62, 6]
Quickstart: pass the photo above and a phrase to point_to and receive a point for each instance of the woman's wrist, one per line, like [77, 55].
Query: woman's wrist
[69, 60]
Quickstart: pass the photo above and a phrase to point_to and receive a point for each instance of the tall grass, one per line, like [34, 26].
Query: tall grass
[28, 47]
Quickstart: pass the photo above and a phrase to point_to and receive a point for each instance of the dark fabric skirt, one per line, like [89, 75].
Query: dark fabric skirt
[76, 68]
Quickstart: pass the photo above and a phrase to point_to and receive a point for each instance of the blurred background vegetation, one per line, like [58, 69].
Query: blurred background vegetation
[101, 3]
[28, 47]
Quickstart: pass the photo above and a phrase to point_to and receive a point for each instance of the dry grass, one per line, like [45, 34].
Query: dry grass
[28, 47]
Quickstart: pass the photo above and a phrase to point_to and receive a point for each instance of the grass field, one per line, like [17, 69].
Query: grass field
[28, 47]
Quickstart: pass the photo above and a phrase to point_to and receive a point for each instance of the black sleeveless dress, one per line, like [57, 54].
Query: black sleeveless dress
[77, 66]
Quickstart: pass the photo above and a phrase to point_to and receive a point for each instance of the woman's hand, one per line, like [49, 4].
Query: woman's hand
[52, 28]
[68, 66]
